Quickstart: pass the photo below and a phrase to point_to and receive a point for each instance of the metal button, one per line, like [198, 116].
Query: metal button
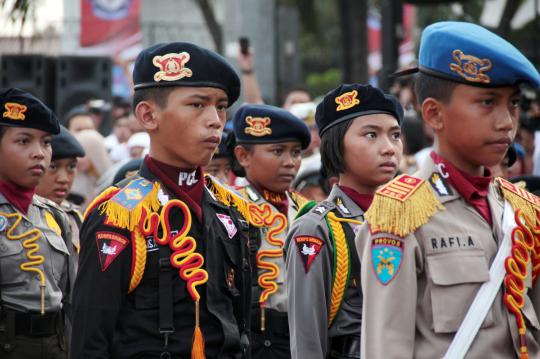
[230, 277]
[267, 343]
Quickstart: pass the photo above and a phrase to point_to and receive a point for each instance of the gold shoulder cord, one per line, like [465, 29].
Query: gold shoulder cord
[32, 247]
[341, 266]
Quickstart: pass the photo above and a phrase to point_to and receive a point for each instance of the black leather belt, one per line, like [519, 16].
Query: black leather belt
[345, 347]
[32, 324]
[275, 322]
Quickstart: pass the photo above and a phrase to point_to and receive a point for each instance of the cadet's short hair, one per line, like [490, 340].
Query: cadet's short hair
[430, 86]
[159, 95]
[236, 168]
[332, 148]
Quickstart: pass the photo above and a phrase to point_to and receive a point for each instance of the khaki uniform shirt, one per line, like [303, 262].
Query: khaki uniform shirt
[20, 289]
[310, 290]
[443, 264]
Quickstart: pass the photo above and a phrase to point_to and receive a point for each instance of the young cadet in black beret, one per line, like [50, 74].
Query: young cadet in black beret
[35, 244]
[164, 266]
[59, 176]
[361, 143]
[269, 144]
[220, 165]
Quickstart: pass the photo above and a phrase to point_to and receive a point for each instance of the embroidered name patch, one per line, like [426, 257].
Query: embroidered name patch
[386, 256]
[347, 100]
[172, 67]
[109, 245]
[309, 248]
[228, 224]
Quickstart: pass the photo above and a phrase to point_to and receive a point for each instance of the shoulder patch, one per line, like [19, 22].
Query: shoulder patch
[309, 248]
[386, 258]
[124, 209]
[109, 246]
[519, 198]
[402, 206]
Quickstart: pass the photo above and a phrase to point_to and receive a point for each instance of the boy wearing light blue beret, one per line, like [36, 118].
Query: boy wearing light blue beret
[449, 255]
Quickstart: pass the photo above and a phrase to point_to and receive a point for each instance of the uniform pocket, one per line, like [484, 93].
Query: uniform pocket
[456, 278]
[11, 256]
[59, 253]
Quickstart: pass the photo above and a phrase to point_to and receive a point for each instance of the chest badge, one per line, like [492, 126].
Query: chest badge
[228, 224]
[386, 258]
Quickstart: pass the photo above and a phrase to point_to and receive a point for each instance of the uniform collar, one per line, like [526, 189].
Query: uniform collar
[442, 188]
[345, 205]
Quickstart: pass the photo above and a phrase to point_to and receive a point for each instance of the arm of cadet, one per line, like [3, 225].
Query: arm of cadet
[389, 311]
[98, 295]
[308, 292]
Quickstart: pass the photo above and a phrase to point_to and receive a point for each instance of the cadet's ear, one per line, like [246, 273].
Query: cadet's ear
[432, 111]
[242, 155]
[145, 112]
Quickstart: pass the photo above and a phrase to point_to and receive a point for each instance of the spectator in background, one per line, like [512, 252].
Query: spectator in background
[138, 145]
[79, 119]
[221, 162]
[116, 142]
[306, 112]
[121, 107]
[525, 143]
[91, 166]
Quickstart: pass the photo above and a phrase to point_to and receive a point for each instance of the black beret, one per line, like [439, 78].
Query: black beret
[21, 109]
[269, 124]
[350, 101]
[185, 64]
[65, 145]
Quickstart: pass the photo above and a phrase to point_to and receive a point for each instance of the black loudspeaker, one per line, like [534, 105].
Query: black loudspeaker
[32, 73]
[79, 79]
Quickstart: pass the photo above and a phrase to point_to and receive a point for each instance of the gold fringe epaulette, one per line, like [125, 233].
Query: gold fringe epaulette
[125, 208]
[402, 206]
[102, 197]
[519, 198]
[228, 197]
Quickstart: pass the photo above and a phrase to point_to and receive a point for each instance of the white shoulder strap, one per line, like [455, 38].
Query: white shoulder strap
[486, 294]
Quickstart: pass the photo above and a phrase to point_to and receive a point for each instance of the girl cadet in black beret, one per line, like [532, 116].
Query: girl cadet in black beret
[361, 144]
[269, 143]
[35, 250]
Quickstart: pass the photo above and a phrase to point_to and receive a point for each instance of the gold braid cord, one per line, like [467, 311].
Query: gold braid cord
[276, 224]
[402, 206]
[138, 247]
[30, 243]
[525, 248]
[341, 264]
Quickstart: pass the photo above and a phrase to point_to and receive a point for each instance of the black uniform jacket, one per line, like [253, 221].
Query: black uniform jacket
[110, 323]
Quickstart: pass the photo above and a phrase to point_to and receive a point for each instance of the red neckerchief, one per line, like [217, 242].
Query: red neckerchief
[278, 200]
[19, 197]
[473, 188]
[191, 193]
[362, 200]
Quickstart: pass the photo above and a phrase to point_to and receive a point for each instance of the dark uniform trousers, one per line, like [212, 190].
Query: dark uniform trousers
[109, 322]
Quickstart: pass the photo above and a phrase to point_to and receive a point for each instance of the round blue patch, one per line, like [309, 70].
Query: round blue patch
[3, 223]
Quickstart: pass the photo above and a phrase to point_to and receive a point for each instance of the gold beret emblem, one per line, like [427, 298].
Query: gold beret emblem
[258, 126]
[347, 100]
[172, 67]
[470, 67]
[14, 111]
